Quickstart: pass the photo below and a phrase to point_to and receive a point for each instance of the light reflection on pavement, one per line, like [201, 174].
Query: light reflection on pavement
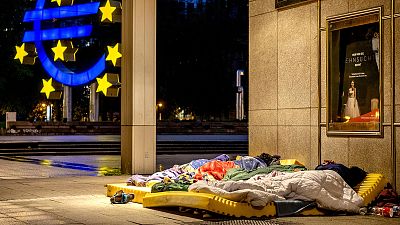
[24, 170]
[112, 161]
[78, 165]
[92, 165]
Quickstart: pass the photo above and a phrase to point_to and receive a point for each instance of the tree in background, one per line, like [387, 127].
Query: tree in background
[19, 84]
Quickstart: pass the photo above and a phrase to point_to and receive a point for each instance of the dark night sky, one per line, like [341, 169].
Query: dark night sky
[198, 53]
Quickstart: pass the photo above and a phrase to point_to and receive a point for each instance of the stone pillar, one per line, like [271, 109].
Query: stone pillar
[67, 103]
[138, 88]
[93, 103]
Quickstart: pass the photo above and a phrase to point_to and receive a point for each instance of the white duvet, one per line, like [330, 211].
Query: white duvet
[326, 187]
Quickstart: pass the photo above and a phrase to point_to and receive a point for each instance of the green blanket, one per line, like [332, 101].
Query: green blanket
[242, 174]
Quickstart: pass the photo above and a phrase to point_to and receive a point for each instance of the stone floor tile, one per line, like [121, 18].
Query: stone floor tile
[35, 217]
[15, 210]
[11, 206]
[48, 222]
[26, 213]
[11, 221]
[45, 208]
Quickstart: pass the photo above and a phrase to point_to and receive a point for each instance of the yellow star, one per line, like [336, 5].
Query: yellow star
[103, 84]
[59, 51]
[107, 11]
[113, 54]
[58, 2]
[70, 53]
[63, 2]
[47, 87]
[21, 53]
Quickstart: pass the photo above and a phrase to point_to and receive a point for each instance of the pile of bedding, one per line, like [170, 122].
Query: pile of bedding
[260, 180]
[326, 187]
[208, 169]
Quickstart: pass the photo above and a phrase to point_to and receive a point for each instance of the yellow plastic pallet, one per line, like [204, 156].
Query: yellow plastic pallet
[207, 202]
[290, 162]
[370, 187]
[139, 192]
[311, 212]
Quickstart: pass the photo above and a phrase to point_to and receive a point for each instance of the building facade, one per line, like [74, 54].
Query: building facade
[287, 86]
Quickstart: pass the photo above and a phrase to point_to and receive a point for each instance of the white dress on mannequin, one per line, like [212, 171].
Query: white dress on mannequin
[375, 47]
[352, 109]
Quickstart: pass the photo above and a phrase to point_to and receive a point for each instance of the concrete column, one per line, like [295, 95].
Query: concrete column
[138, 88]
[67, 103]
[93, 103]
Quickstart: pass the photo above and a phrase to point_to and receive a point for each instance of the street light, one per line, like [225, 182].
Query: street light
[239, 95]
[159, 110]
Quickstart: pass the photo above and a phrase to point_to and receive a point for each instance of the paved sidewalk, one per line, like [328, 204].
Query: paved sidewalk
[72, 200]
[69, 198]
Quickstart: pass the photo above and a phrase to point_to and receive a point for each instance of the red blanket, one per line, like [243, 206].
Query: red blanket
[215, 168]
